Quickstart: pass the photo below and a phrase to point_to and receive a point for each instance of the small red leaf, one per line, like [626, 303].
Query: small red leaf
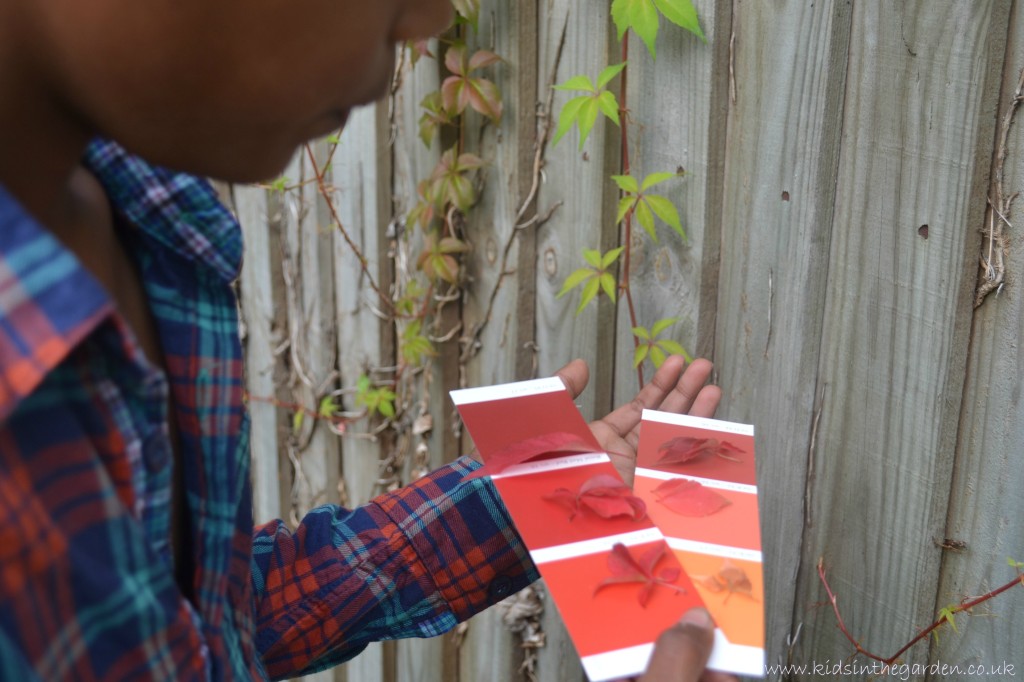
[685, 449]
[564, 498]
[531, 448]
[681, 450]
[626, 568]
[689, 498]
[605, 495]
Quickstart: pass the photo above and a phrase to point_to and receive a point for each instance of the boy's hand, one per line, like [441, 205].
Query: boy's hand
[682, 651]
[670, 390]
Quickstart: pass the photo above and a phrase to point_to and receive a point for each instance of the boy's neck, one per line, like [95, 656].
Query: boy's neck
[41, 140]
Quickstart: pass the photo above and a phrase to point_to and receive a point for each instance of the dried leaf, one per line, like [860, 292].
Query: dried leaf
[525, 450]
[603, 494]
[684, 449]
[626, 568]
[690, 498]
[730, 579]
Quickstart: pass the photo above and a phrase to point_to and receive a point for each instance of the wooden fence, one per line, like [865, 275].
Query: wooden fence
[840, 156]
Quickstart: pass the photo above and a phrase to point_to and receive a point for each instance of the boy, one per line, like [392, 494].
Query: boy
[127, 547]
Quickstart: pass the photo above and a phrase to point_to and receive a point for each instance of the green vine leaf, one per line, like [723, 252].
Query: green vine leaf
[416, 347]
[449, 182]
[593, 279]
[584, 110]
[650, 346]
[643, 17]
[434, 116]
[947, 614]
[437, 261]
[646, 206]
[376, 400]
[468, 10]
[461, 90]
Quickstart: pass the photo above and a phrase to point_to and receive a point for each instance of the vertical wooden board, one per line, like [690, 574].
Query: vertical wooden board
[358, 184]
[489, 651]
[578, 180]
[783, 137]
[675, 105]
[986, 509]
[259, 312]
[308, 271]
[425, 660]
[897, 312]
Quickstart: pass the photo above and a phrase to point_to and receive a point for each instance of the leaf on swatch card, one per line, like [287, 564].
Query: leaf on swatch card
[685, 449]
[689, 498]
[605, 495]
[626, 568]
[524, 450]
[730, 579]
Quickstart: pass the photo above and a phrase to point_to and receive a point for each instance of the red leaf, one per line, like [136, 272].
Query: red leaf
[730, 579]
[605, 495]
[684, 449]
[626, 568]
[531, 448]
[689, 498]
[565, 498]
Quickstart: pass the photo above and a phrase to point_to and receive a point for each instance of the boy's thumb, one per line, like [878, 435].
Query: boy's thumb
[682, 651]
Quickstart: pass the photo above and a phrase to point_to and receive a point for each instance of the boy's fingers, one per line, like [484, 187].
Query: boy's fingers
[652, 396]
[682, 651]
[575, 376]
[689, 395]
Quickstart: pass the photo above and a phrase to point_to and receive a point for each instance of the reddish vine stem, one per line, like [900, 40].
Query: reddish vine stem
[363, 262]
[965, 606]
[628, 222]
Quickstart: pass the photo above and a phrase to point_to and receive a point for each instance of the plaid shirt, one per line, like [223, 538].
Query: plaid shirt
[87, 589]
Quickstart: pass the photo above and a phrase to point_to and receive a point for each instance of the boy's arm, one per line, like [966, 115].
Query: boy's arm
[411, 563]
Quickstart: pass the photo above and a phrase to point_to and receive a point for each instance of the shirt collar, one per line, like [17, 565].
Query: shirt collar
[180, 211]
[48, 303]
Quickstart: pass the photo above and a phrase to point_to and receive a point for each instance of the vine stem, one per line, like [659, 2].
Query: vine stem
[363, 262]
[964, 606]
[628, 221]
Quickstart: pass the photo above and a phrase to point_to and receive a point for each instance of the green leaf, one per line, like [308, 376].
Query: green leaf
[589, 292]
[947, 614]
[577, 83]
[608, 285]
[609, 73]
[655, 178]
[639, 15]
[593, 257]
[574, 280]
[297, 419]
[625, 203]
[662, 325]
[627, 183]
[681, 13]
[587, 119]
[609, 106]
[646, 219]
[363, 385]
[665, 210]
[386, 408]
[327, 407]
[640, 354]
[566, 119]
[675, 349]
[611, 257]
[642, 333]
[657, 356]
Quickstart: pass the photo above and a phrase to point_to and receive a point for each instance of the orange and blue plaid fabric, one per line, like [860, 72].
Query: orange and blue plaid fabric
[87, 588]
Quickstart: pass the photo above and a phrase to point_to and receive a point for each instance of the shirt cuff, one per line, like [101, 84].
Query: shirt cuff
[463, 536]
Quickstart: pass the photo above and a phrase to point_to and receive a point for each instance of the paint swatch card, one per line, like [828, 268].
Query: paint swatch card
[697, 478]
[616, 582]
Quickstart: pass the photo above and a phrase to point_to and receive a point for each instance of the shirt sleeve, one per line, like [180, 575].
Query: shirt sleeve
[411, 563]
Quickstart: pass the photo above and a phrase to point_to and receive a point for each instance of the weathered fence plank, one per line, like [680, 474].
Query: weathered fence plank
[677, 121]
[985, 505]
[493, 331]
[897, 312]
[780, 179]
